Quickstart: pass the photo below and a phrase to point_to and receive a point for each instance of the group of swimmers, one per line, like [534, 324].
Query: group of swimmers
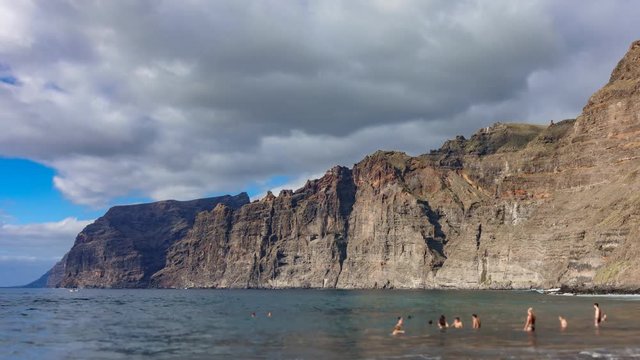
[529, 325]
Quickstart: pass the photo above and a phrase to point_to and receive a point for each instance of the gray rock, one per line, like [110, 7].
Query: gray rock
[127, 245]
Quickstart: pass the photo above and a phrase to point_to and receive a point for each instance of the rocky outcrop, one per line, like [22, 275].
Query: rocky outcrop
[395, 237]
[127, 245]
[567, 209]
[297, 239]
[513, 206]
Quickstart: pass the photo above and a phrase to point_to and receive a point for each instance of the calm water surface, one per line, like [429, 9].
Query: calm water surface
[306, 324]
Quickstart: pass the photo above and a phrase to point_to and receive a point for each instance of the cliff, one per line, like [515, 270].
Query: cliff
[297, 239]
[563, 210]
[514, 206]
[127, 245]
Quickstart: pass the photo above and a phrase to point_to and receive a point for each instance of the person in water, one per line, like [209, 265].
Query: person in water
[530, 324]
[475, 320]
[563, 322]
[398, 328]
[599, 316]
[442, 322]
[457, 323]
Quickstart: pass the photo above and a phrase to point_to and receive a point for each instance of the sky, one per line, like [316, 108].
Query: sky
[118, 102]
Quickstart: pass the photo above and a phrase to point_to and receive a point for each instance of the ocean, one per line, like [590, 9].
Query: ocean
[308, 324]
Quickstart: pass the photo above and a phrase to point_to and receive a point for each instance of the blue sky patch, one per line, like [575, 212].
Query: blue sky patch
[257, 189]
[27, 195]
[10, 80]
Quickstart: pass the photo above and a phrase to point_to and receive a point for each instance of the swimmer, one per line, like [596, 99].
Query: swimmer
[563, 322]
[442, 322]
[398, 328]
[476, 321]
[430, 322]
[457, 323]
[253, 314]
[598, 315]
[530, 324]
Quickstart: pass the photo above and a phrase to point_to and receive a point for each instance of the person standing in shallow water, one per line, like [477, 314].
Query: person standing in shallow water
[457, 323]
[398, 328]
[475, 321]
[530, 324]
[598, 315]
[442, 322]
[563, 323]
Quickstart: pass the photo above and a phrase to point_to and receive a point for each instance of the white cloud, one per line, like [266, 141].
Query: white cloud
[14, 24]
[29, 250]
[39, 241]
[183, 99]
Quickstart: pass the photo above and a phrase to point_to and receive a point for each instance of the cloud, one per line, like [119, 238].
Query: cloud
[185, 99]
[29, 250]
[39, 241]
[14, 24]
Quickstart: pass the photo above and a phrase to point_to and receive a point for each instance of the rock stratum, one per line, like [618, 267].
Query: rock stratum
[514, 206]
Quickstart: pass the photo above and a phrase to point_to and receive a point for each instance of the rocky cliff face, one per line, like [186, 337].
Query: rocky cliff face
[297, 239]
[127, 245]
[565, 207]
[514, 206]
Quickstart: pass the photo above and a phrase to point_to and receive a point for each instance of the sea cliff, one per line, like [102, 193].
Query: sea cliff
[513, 206]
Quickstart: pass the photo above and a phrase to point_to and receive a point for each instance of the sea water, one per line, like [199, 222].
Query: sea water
[307, 324]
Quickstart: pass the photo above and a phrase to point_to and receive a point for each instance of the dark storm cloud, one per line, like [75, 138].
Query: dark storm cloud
[181, 99]
[333, 70]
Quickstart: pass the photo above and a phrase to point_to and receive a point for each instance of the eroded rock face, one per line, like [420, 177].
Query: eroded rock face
[395, 237]
[297, 239]
[567, 205]
[127, 245]
[514, 206]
